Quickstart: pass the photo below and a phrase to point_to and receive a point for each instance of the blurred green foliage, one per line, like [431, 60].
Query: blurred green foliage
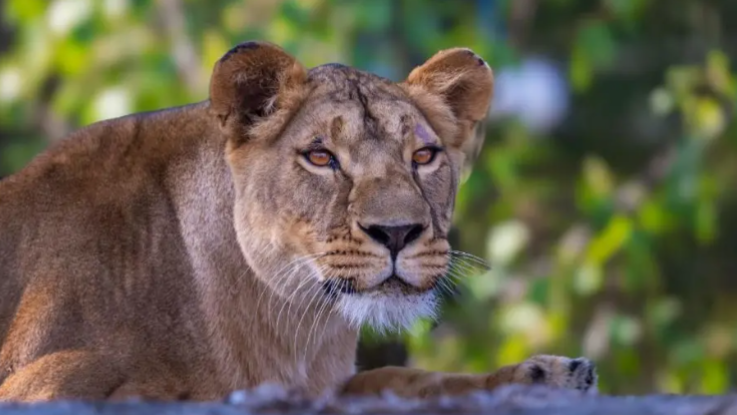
[612, 234]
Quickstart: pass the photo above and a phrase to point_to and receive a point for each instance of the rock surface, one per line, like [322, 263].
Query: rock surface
[510, 400]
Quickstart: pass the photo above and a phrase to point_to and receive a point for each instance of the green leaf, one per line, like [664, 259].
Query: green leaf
[610, 241]
[594, 48]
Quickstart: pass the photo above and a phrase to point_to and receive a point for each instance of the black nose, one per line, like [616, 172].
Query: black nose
[394, 237]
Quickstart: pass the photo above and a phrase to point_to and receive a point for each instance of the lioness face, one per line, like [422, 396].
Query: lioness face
[345, 193]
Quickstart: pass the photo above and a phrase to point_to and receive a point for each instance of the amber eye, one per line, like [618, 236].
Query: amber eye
[320, 158]
[424, 156]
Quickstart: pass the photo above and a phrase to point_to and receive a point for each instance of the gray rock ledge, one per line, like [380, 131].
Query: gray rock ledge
[511, 400]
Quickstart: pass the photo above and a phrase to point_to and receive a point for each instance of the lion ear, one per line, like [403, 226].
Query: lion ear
[249, 82]
[455, 86]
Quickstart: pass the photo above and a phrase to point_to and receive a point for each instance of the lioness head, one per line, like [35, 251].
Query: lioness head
[345, 182]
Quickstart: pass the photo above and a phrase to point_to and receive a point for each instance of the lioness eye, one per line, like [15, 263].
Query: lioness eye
[319, 158]
[424, 156]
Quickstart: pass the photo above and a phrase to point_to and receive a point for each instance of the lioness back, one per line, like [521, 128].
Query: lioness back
[85, 228]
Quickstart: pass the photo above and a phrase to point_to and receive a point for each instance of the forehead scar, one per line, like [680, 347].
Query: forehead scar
[424, 135]
[336, 127]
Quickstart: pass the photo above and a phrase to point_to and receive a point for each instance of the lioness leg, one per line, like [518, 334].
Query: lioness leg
[546, 370]
[64, 374]
[75, 374]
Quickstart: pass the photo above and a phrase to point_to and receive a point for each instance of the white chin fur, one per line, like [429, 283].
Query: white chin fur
[387, 312]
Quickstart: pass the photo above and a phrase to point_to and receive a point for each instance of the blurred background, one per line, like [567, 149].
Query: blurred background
[605, 197]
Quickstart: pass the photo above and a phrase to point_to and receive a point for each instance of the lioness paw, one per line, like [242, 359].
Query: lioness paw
[558, 371]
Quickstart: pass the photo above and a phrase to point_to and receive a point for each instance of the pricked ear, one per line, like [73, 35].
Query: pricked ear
[454, 88]
[250, 82]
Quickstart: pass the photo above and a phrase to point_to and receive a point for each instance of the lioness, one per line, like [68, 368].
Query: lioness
[194, 251]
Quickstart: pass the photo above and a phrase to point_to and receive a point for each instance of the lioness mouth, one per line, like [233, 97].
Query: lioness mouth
[394, 283]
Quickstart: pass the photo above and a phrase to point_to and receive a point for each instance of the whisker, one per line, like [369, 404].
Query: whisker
[282, 279]
[306, 310]
[454, 277]
[442, 285]
[325, 305]
[278, 274]
[263, 287]
[289, 301]
[477, 260]
[285, 273]
[332, 306]
[266, 288]
[465, 269]
[458, 275]
[310, 278]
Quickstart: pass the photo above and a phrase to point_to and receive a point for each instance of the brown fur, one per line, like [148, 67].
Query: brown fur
[193, 251]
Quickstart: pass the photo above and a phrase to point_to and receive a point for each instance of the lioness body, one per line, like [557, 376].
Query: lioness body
[121, 193]
[150, 255]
